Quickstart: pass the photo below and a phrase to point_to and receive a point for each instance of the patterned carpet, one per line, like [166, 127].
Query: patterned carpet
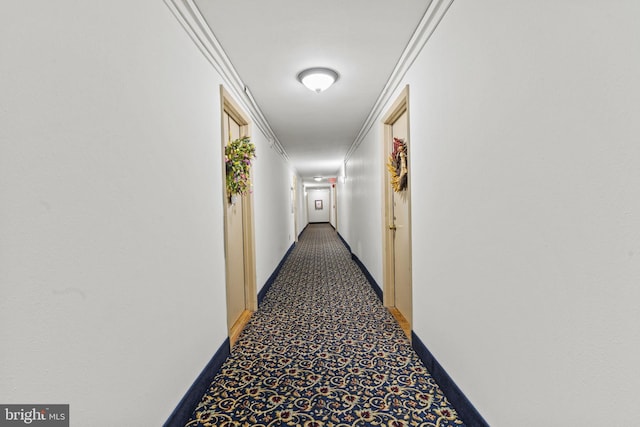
[323, 351]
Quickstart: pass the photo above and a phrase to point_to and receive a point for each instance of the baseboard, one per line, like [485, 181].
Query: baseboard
[344, 242]
[180, 416]
[466, 411]
[273, 276]
[377, 289]
[303, 230]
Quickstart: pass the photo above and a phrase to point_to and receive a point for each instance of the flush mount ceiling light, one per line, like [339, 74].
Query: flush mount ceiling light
[317, 178]
[318, 79]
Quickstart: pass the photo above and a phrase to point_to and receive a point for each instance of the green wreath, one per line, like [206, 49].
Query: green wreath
[238, 155]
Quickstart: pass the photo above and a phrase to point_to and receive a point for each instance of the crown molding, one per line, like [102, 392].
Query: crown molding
[189, 16]
[428, 24]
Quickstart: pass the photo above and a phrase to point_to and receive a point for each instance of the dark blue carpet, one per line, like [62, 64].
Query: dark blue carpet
[323, 351]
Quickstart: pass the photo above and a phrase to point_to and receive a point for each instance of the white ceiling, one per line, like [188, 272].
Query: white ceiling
[270, 42]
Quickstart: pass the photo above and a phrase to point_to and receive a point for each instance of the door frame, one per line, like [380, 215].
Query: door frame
[399, 106]
[231, 107]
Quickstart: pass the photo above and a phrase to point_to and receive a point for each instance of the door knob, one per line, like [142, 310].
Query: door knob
[392, 227]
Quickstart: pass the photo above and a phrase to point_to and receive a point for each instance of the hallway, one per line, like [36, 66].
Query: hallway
[322, 348]
[523, 166]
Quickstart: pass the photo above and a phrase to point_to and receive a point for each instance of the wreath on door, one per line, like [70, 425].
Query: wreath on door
[397, 165]
[238, 155]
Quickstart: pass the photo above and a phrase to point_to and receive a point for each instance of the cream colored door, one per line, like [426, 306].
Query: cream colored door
[235, 240]
[240, 265]
[401, 235]
[398, 294]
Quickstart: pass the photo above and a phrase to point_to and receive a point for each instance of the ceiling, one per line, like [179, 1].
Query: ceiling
[270, 42]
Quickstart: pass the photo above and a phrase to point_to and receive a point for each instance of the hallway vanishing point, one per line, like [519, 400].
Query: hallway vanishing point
[322, 351]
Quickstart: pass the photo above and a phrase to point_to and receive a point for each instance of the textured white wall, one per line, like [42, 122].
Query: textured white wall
[111, 240]
[525, 168]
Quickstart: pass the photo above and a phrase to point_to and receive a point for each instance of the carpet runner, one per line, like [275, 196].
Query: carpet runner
[322, 351]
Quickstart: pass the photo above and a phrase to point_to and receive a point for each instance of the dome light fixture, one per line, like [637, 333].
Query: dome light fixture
[318, 79]
[317, 178]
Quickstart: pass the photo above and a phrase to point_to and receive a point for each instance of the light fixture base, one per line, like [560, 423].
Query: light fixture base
[318, 79]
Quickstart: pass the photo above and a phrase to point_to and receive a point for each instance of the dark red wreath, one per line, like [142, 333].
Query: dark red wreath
[397, 165]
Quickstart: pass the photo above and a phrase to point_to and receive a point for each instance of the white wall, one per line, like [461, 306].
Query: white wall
[360, 201]
[319, 215]
[525, 169]
[272, 211]
[111, 238]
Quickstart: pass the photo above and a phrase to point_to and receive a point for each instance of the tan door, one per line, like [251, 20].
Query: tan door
[240, 271]
[294, 206]
[401, 235]
[335, 205]
[398, 294]
[235, 240]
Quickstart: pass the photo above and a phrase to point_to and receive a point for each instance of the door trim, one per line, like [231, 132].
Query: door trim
[400, 105]
[231, 107]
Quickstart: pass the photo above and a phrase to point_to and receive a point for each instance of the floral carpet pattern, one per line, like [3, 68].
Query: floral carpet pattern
[322, 351]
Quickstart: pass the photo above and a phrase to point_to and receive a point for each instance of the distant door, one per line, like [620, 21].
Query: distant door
[334, 203]
[398, 266]
[294, 206]
[240, 265]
